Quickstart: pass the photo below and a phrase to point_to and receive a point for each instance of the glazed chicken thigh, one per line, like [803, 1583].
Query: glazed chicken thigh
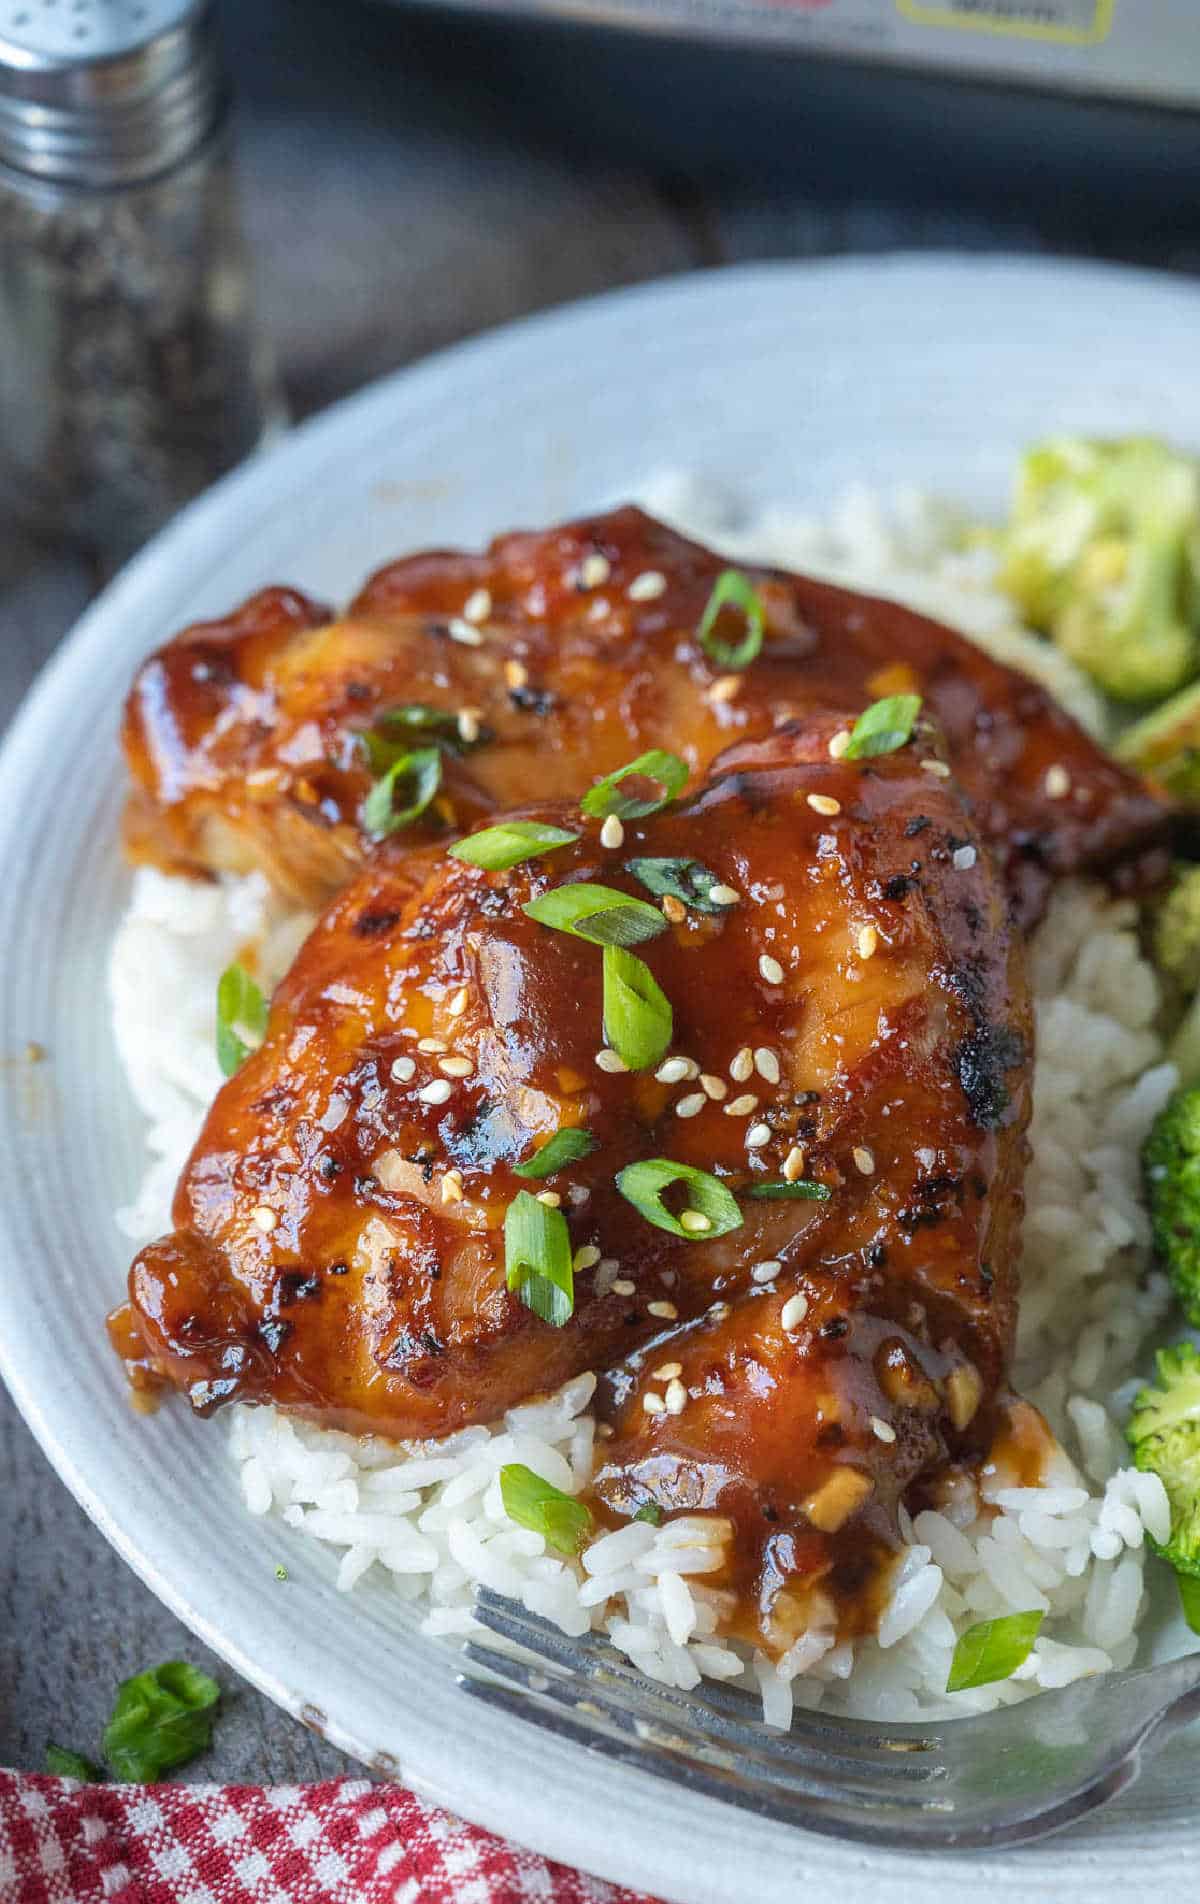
[848, 1064]
[551, 660]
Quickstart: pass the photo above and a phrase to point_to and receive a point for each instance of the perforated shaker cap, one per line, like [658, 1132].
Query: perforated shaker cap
[105, 92]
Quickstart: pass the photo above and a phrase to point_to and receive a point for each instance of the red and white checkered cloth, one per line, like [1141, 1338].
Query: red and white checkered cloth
[345, 1842]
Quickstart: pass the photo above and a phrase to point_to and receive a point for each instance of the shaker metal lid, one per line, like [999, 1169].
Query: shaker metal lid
[105, 92]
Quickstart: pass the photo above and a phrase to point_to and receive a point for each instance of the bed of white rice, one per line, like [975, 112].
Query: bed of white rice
[429, 1518]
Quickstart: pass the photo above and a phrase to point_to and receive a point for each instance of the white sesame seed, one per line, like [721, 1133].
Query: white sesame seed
[724, 895]
[770, 969]
[264, 1218]
[586, 1257]
[666, 1370]
[839, 743]
[757, 1136]
[605, 1430]
[695, 1222]
[452, 1189]
[716, 1088]
[864, 1159]
[882, 1430]
[691, 1105]
[794, 1311]
[622, 1287]
[741, 1106]
[459, 1003]
[647, 587]
[693, 1069]
[403, 1069]
[550, 1198]
[673, 909]
[666, 1311]
[767, 1064]
[867, 941]
[456, 1067]
[435, 1093]
[742, 1065]
[652, 1403]
[609, 1061]
[1057, 783]
[516, 674]
[726, 687]
[460, 630]
[599, 609]
[432, 1047]
[765, 1272]
[577, 1194]
[468, 724]
[672, 1071]
[719, 1310]
[964, 858]
[793, 1164]
[937, 768]
[612, 833]
[594, 571]
[676, 1397]
[824, 803]
[478, 605]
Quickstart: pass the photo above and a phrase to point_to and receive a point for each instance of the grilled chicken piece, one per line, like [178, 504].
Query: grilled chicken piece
[567, 653]
[859, 1015]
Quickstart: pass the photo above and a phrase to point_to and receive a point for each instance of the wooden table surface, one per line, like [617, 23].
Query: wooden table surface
[409, 181]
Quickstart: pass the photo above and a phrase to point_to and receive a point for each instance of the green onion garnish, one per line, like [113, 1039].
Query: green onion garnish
[803, 1188]
[883, 727]
[650, 1512]
[66, 1764]
[161, 1719]
[395, 729]
[638, 1021]
[993, 1649]
[604, 798]
[600, 914]
[684, 879]
[1189, 1598]
[732, 590]
[241, 1018]
[537, 1258]
[642, 1184]
[565, 1147]
[562, 1522]
[416, 776]
[498, 847]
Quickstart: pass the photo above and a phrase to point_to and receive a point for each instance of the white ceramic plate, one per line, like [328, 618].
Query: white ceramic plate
[784, 382]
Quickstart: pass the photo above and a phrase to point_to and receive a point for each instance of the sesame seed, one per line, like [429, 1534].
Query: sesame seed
[882, 1430]
[264, 1218]
[666, 1371]
[794, 1311]
[676, 1397]
[742, 1065]
[452, 1189]
[839, 743]
[647, 587]
[793, 1164]
[693, 1069]
[594, 571]
[403, 1069]
[516, 674]
[741, 1106]
[770, 969]
[864, 1159]
[612, 833]
[691, 1105]
[609, 1061]
[715, 1088]
[724, 895]
[666, 1311]
[435, 1093]
[468, 724]
[550, 1198]
[719, 1310]
[605, 1430]
[622, 1287]
[964, 858]
[824, 803]
[767, 1064]
[726, 687]
[1057, 783]
[432, 1047]
[599, 608]
[695, 1222]
[456, 1067]
[586, 1257]
[460, 630]
[765, 1272]
[672, 1071]
[757, 1136]
[867, 941]
[652, 1403]
[478, 605]
[459, 1003]
[673, 909]
[937, 768]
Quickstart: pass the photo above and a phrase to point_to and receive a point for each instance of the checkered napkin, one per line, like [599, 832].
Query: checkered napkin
[344, 1842]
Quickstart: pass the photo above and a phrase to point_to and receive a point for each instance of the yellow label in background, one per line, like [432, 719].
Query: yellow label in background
[1065, 22]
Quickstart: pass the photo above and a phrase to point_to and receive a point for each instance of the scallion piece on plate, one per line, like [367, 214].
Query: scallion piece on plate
[667, 770]
[638, 1020]
[394, 730]
[67, 1764]
[599, 914]
[883, 727]
[1189, 1598]
[242, 1013]
[412, 780]
[565, 1147]
[732, 591]
[537, 1258]
[684, 879]
[643, 1184]
[162, 1718]
[651, 1513]
[804, 1190]
[562, 1521]
[498, 847]
[993, 1649]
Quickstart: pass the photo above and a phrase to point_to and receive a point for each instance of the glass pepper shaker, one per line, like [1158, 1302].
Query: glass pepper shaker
[130, 374]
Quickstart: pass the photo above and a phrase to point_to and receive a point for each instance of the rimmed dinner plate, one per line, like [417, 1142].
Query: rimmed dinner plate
[780, 382]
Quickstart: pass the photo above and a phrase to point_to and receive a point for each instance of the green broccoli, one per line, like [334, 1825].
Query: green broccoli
[1171, 1160]
[1165, 746]
[1164, 1434]
[1103, 555]
[1175, 930]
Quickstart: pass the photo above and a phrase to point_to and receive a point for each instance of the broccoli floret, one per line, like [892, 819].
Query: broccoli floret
[1101, 554]
[1164, 1434]
[1175, 930]
[1165, 746]
[1171, 1160]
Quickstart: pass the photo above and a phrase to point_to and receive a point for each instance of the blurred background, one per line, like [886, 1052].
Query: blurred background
[411, 176]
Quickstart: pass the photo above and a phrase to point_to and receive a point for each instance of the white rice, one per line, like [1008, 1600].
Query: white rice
[430, 1517]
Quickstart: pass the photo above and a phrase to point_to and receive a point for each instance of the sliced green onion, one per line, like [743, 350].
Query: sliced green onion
[498, 847]
[993, 1649]
[650, 1512]
[161, 1719]
[242, 1013]
[537, 1258]
[67, 1764]
[599, 914]
[395, 729]
[642, 1184]
[1189, 1598]
[418, 776]
[562, 1521]
[684, 879]
[883, 727]
[732, 590]
[605, 797]
[565, 1147]
[803, 1188]
[638, 1020]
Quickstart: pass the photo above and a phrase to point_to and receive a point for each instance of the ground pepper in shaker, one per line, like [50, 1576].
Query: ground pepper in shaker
[130, 375]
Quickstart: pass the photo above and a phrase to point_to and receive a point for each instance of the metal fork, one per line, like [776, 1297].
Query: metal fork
[996, 1779]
